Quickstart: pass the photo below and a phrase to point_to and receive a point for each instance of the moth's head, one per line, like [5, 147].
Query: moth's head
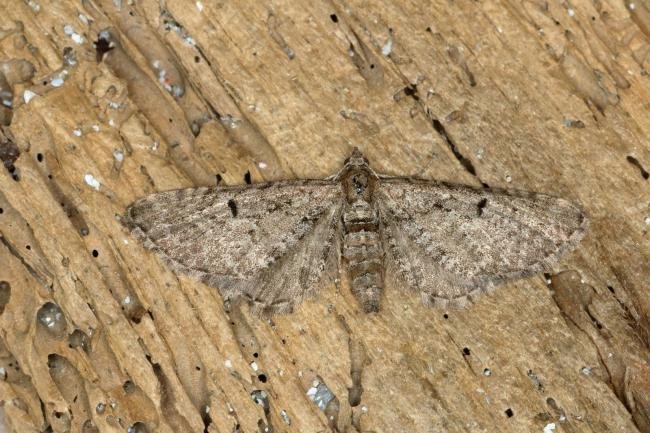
[356, 174]
[356, 159]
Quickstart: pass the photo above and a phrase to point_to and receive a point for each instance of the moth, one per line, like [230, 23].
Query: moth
[270, 244]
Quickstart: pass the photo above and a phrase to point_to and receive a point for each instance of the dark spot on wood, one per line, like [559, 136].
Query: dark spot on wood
[480, 206]
[39, 157]
[102, 46]
[2, 210]
[29, 247]
[635, 162]
[255, 355]
[334, 18]
[579, 124]
[466, 351]
[466, 163]
[197, 59]
[509, 413]
[233, 207]
[219, 178]
[262, 377]
[95, 253]
[412, 91]
[207, 420]
[372, 66]
[247, 178]
[5, 294]
[128, 386]
[445, 316]
[611, 289]
[9, 153]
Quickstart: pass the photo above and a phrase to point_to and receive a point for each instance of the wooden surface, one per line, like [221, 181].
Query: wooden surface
[97, 336]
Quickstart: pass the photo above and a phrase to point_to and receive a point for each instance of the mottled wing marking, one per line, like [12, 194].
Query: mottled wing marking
[268, 243]
[451, 242]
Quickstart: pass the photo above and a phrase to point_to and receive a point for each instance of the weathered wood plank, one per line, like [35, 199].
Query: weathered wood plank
[98, 336]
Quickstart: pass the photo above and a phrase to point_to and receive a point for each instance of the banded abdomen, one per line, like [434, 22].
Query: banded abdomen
[364, 254]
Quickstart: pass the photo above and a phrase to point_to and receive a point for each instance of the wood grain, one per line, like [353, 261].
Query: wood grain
[98, 336]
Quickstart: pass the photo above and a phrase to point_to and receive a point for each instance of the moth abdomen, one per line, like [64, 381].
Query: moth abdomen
[362, 248]
[367, 266]
[367, 288]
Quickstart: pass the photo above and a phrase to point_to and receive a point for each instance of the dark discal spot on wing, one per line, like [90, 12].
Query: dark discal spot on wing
[247, 178]
[232, 204]
[441, 207]
[480, 206]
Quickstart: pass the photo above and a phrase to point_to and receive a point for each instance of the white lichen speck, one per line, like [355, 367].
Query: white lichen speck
[57, 81]
[76, 37]
[92, 182]
[549, 427]
[388, 47]
[118, 155]
[28, 95]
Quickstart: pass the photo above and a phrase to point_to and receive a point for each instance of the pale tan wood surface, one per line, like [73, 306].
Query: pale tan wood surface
[98, 336]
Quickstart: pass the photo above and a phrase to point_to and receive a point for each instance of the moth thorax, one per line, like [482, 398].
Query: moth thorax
[358, 184]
